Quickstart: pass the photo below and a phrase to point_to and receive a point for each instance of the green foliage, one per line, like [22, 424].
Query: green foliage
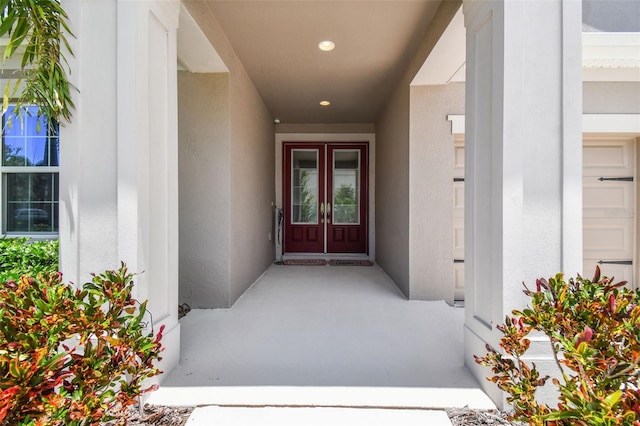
[308, 202]
[11, 156]
[36, 29]
[69, 355]
[345, 205]
[594, 330]
[19, 256]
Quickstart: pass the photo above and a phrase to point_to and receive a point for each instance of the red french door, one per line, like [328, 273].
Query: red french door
[325, 197]
[304, 194]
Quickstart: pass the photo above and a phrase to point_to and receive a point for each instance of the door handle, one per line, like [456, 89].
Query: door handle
[321, 208]
[328, 209]
[619, 179]
[615, 262]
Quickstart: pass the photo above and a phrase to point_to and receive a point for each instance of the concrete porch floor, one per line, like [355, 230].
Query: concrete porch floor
[323, 336]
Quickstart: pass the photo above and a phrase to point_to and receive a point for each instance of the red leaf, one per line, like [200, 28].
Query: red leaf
[612, 303]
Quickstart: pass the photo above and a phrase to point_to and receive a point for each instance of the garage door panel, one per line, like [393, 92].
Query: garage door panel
[608, 156]
[458, 159]
[607, 199]
[609, 208]
[458, 199]
[458, 238]
[458, 219]
[609, 205]
[458, 279]
[608, 240]
[618, 272]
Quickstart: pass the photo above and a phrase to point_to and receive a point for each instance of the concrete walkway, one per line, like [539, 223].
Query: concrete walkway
[327, 337]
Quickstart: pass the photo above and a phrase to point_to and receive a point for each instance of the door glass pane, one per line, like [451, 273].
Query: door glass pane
[346, 187]
[304, 191]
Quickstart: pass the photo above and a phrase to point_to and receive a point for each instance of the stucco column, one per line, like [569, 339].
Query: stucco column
[148, 158]
[523, 161]
[119, 170]
[88, 193]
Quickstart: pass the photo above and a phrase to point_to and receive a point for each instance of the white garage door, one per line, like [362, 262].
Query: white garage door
[609, 206]
[609, 209]
[458, 218]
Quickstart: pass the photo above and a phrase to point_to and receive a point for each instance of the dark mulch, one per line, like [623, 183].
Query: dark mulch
[468, 417]
[158, 415]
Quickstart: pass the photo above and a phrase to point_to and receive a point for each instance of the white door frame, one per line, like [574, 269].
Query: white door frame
[329, 137]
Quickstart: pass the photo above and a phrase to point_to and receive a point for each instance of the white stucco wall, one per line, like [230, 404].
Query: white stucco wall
[520, 223]
[204, 163]
[249, 171]
[430, 183]
[88, 176]
[119, 181]
[393, 190]
[252, 193]
[611, 97]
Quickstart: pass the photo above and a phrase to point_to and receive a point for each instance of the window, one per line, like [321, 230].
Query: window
[29, 168]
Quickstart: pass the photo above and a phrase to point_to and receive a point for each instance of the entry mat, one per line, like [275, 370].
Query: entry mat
[350, 262]
[306, 262]
[332, 262]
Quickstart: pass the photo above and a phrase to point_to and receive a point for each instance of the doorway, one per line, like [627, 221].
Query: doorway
[325, 197]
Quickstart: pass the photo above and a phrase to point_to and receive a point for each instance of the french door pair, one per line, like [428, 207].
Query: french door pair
[325, 197]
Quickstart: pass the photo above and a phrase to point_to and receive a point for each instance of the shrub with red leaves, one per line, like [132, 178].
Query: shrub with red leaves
[69, 355]
[594, 331]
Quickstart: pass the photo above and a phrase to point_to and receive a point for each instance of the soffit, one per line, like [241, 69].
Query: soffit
[606, 56]
[276, 41]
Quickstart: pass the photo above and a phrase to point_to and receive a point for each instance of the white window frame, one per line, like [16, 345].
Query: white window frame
[8, 170]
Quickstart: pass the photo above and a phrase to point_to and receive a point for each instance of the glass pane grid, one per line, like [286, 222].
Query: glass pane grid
[30, 151]
[304, 187]
[31, 201]
[30, 198]
[346, 187]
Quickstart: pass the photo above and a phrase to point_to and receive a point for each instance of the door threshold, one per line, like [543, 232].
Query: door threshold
[326, 256]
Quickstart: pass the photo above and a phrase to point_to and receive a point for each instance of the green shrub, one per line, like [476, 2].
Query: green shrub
[20, 256]
[594, 330]
[69, 355]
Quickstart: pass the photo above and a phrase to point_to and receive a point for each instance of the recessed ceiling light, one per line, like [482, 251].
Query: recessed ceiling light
[326, 45]
[325, 103]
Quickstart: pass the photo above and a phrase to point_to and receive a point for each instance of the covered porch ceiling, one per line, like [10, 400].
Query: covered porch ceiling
[277, 43]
